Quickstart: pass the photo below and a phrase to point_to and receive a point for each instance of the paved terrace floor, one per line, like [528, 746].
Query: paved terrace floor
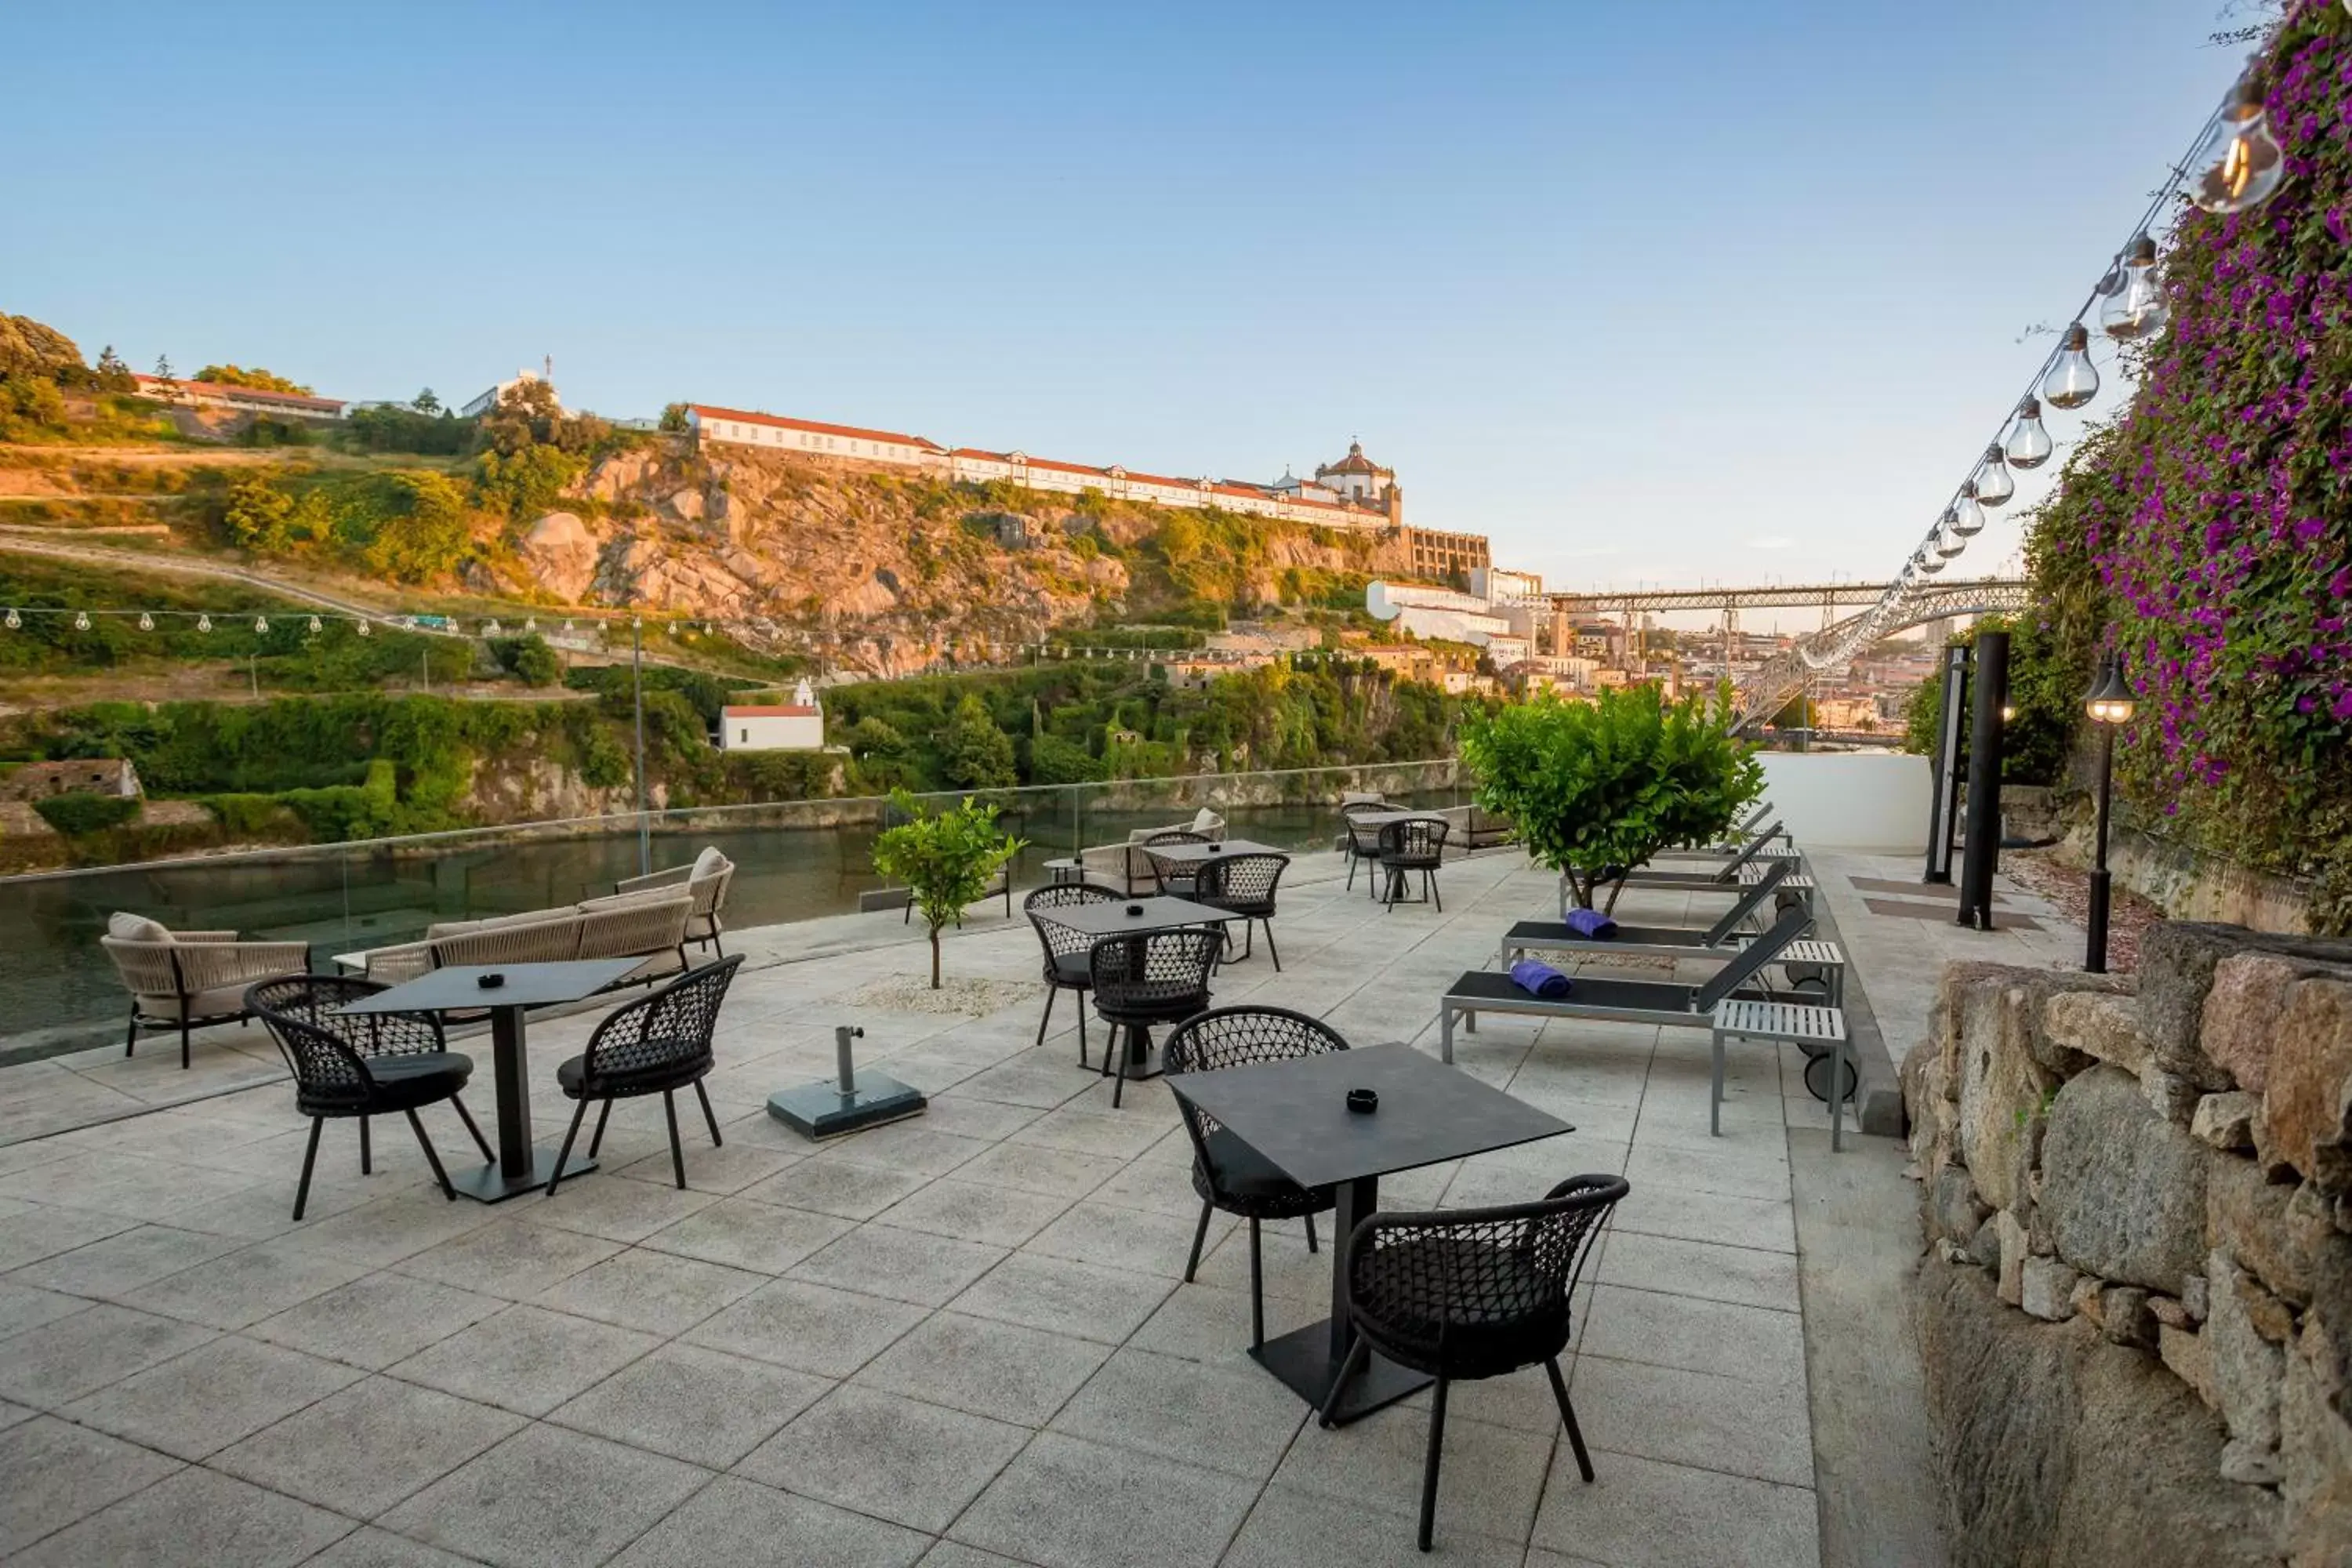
[961, 1341]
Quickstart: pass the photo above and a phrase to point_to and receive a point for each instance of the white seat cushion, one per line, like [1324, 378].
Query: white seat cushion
[124, 926]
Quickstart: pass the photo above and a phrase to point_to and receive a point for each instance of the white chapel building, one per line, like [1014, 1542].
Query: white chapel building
[794, 726]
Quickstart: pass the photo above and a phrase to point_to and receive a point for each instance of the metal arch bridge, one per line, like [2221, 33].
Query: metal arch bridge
[1773, 682]
[1826, 596]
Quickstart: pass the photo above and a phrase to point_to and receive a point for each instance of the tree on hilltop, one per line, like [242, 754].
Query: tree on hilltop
[113, 375]
[259, 380]
[425, 403]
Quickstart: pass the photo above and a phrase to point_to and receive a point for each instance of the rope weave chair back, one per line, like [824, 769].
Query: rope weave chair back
[1239, 881]
[328, 1072]
[670, 1028]
[1478, 1291]
[318, 1000]
[1415, 841]
[1060, 940]
[1240, 1037]
[1159, 973]
[1176, 835]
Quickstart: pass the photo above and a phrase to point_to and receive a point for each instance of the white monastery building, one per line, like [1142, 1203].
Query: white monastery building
[240, 399]
[794, 726]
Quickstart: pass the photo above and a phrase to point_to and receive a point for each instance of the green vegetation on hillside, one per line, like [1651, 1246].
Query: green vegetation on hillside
[257, 378]
[41, 369]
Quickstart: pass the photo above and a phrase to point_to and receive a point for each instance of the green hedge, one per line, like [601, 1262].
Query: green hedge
[80, 814]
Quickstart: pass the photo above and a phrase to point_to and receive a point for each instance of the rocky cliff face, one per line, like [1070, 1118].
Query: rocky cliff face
[882, 573]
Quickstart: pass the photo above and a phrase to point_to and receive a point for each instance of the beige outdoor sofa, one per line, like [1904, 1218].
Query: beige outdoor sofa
[187, 979]
[629, 925]
[706, 880]
[1127, 867]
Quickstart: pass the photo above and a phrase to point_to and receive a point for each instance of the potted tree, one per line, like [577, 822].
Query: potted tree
[946, 859]
[1598, 788]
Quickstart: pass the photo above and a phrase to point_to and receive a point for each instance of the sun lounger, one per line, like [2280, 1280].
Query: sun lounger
[1720, 1004]
[1649, 942]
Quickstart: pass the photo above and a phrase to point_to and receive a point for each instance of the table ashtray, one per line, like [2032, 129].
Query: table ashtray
[1135, 909]
[1363, 1101]
[491, 981]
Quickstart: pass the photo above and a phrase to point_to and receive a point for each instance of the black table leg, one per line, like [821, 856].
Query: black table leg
[1308, 1359]
[521, 1167]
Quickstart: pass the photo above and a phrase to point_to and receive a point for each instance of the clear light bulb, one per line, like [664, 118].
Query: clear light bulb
[530, 624]
[2073, 380]
[2136, 310]
[362, 628]
[567, 628]
[2238, 165]
[1992, 484]
[2028, 444]
[261, 626]
[1950, 540]
[82, 620]
[1927, 562]
[1966, 518]
[315, 627]
[146, 621]
[203, 623]
[15, 621]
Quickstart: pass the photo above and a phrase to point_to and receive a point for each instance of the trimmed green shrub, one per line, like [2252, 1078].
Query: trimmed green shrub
[82, 813]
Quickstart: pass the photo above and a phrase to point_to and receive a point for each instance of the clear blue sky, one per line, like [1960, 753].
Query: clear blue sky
[1645, 291]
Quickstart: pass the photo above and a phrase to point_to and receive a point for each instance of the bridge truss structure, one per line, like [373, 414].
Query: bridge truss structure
[1771, 684]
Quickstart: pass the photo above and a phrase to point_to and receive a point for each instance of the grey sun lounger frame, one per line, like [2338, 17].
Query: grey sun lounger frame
[1648, 941]
[1731, 843]
[1669, 1003]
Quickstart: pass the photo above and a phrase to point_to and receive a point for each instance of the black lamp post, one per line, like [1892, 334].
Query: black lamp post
[2110, 704]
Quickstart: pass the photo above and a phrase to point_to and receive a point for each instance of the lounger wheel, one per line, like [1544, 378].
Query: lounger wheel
[1817, 1074]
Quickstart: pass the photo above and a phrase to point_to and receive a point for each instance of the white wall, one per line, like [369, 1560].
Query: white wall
[1853, 800]
[771, 732]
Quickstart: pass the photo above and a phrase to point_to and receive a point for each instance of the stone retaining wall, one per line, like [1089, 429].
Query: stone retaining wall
[2136, 1315]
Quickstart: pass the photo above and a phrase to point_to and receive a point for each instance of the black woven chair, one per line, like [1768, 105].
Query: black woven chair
[1415, 844]
[1227, 1172]
[1069, 965]
[1154, 977]
[657, 1045]
[364, 1065]
[1363, 842]
[1174, 878]
[1473, 1293]
[1244, 885]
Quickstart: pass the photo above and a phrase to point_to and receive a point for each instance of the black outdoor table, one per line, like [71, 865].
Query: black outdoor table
[1295, 1114]
[521, 1167]
[1191, 852]
[1109, 917]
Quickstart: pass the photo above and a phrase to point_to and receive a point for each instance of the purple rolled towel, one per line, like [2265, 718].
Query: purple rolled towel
[1538, 978]
[1592, 923]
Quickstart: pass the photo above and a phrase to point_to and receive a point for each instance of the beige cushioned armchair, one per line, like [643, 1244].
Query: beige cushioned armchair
[187, 979]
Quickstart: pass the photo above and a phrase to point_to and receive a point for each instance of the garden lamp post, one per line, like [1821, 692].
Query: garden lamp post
[2110, 704]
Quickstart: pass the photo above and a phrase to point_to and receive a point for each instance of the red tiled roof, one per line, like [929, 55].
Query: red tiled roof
[774, 710]
[221, 389]
[855, 431]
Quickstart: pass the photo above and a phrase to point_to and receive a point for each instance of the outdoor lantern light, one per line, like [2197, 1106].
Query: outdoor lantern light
[2238, 165]
[2009, 712]
[315, 627]
[82, 620]
[2029, 442]
[530, 624]
[490, 628]
[1950, 540]
[1927, 562]
[1993, 486]
[2073, 380]
[1966, 518]
[2110, 703]
[146, 621]
[2136, 310]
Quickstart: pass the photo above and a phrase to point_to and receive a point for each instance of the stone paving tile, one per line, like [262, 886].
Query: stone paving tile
[1056, 1172]
[246, 1285]
[1231, 1418]
[196, 1517]
[526, 1359]
[105, 1269]
[514, 1260]
[37, 1233]
[1766, 1223]
[59, 1473]
[745, 1525]
[1288, 1527]
[999, 1370]
[1111, 1238]
[1489, 1479]
[808, 1327]
[547, 1498]
[1206, 1322]
[1694, 1418]
[742, 1233]
[704, 1406]
[1055, 1294]
[373, 1548]
[967, 1211]
[915, 1464]
[376, 1319]
[364, 1449]
[1752, 1345]
[911, 1147]
[23, 1307]
[217, 1393]
[652, 1292]
[1639, 1513]
[727, 1169]
[846, 1189]
[1749, 1275]
[615, 1210]
[1061, 1506]
[903, 1265]
[60, 1361]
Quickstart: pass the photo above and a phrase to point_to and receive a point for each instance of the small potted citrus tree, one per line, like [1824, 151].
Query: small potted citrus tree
[946, 859]
[1598, 788]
